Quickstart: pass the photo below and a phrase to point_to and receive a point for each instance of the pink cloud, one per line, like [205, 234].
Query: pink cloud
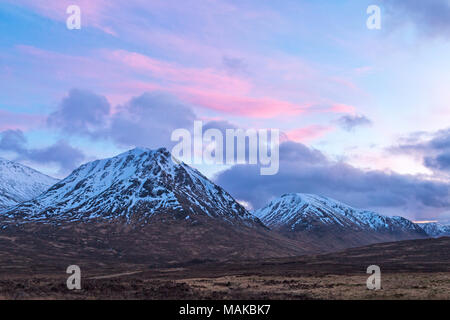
[264, 107]
[205, 78]
[275, 76]
[342, 108]
[120, 74]
[308, 133]
[207, 87]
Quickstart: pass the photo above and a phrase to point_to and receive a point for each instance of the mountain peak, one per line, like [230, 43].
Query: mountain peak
[309, 197]
[138, 151]
[135, 185]
[19, 183]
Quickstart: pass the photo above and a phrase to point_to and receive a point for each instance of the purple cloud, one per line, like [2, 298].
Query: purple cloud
[147, 120]
[234, 65]
[80, 112]
[441, 162]
[350, 122]
[303, 169]
[13, 140]
[60, 153]
[431, 17]
[433, 148]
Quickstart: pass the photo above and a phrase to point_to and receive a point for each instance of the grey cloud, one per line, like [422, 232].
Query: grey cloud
[80, 112]
[13, 140]
[309, 171]
[350, 122]
[440, 162]
[60, 153]
[432, 148]
[147, 120]
[221, 125]
[234, 65]
[431, 17]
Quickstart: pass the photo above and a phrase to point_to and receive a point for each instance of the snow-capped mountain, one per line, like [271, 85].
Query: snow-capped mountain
[306, 211]
[143, 206]
[134, 185]
[336, 223]
[435, 230]
[20, 183]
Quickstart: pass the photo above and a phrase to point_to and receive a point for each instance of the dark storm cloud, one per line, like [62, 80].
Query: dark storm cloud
[60, 153]
[306, 170]
[350, 122]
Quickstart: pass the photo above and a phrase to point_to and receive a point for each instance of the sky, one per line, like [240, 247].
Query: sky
[364, 112]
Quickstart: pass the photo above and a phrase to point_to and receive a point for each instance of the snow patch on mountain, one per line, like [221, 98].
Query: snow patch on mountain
[134, 185]
[307, 211]
[435, 230]
[19, 183]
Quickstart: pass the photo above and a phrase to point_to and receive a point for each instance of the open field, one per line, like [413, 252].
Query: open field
[394, 286]
[417, 269]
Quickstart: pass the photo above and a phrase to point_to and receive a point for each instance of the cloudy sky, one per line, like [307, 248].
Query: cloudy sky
[365, 113]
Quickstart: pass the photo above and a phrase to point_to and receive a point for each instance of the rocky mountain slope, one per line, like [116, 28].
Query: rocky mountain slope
[19, 183]
[140, 206]
[435, 230]
[134, 185]
[332, 224]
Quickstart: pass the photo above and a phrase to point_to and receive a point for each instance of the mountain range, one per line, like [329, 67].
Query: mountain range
[308, 217]
[143, 205]
[435, 230]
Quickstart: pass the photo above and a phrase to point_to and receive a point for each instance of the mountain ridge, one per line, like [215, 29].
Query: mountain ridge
[333, 223]
[435, 229]
[178, 207]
